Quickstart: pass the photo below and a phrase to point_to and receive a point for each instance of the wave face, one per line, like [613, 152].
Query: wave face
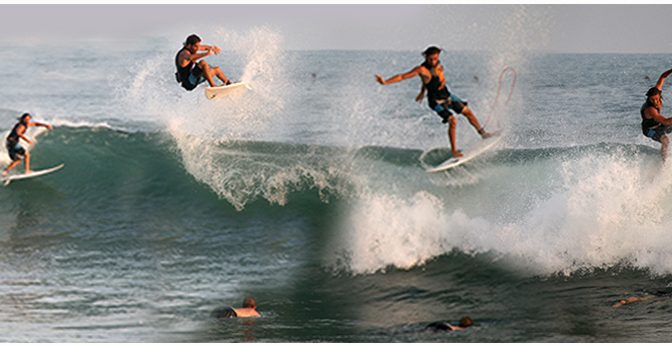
[567, 209]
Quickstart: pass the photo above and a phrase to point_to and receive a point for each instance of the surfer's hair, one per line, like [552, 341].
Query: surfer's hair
[192, 40]
[431, 51]
[249, 302]
[24, 116]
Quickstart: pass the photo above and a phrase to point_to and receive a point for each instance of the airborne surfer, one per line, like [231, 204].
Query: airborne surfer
[192, 70]
[439, 97]
[654, 125]
[14, 149]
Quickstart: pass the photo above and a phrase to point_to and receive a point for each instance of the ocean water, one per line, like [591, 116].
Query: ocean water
[309, 193]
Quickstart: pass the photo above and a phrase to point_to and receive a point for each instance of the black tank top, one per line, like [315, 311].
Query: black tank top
[433, 91]
[13, 137]
[182, 72]
[648, 123]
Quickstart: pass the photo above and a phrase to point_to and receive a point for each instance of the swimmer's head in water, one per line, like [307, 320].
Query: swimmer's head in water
[466, 321]
[249, 302]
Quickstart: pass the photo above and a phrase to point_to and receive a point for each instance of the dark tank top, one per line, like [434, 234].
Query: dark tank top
[433, 91]
[182, 72]
[648, 123]
[13, 137]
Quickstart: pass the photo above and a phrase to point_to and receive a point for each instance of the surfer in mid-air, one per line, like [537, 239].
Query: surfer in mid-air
[14, 149]
[192, 70]
[654, 124]
[439, 97]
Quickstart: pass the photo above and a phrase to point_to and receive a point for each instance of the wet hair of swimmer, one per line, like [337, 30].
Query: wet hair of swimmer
[466, 321]
[24, 116]
[249, 302]
[431, 51]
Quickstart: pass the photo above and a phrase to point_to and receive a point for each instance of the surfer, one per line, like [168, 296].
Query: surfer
[249, 309]
[439, 97]
[191, 70]
[465, 322]
[14, 149]
[654, 125]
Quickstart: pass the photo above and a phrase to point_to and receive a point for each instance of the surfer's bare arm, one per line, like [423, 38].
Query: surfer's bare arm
[662, 78]
[35, 123]
[421, 95]
[26, 139]
[187, 57]
[653, 113]
[398, 77]
[214, 49]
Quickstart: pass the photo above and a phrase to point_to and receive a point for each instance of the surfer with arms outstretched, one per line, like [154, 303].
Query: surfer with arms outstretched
[192, 70]
[439, 97]
[14, 149]
[654, 124]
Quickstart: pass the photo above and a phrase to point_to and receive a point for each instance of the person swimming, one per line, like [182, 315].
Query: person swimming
[464, 323]
[659, 293]
[249, 309]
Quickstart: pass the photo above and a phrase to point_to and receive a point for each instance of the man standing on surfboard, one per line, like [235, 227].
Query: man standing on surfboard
[439, 97]
[191, 70]
[14, 149]
[654, 125]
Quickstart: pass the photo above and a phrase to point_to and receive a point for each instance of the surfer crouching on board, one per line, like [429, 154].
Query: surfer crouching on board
[654, 125]
[439, 97]
[14, 149]
[191, 70]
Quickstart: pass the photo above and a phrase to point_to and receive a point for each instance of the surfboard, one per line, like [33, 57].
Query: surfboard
[220, 91]
[480, 148]
[10, 178]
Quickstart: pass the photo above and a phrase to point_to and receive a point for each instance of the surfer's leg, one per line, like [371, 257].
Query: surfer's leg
[26, 161]
[11, 166]
[207, 72]
[474, 122]
[452, 125]
[664, 141]
[221, 75]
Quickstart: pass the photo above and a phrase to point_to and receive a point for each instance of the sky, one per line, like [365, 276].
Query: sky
[551, 28]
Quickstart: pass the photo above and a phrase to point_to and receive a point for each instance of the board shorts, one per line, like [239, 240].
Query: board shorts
[15, 151]
[452, 104]
[657, 132]
[196, 77]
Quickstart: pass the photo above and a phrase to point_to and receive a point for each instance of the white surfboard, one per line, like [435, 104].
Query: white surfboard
[10, 178]
[469, 154]
[219, 91]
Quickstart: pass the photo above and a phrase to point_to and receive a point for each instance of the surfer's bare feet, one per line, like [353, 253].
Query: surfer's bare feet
[457, 153]
[5, 173]
[484, 134]
[28, 171]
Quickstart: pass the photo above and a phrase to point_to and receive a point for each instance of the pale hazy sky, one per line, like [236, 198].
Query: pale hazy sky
[556, 28]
